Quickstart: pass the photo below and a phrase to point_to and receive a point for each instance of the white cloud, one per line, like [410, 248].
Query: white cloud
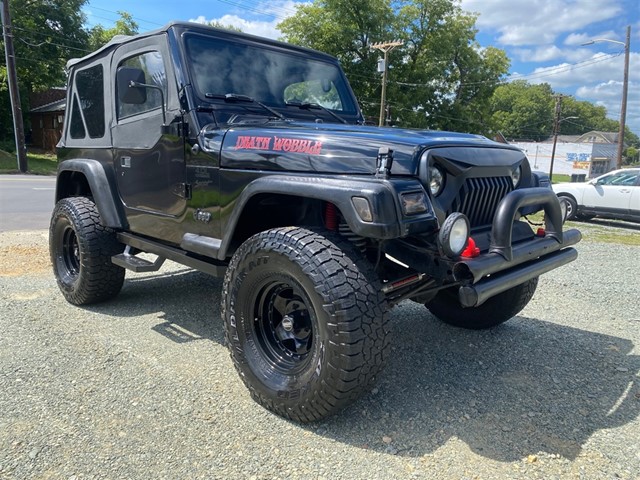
[538, 22]
[600, 67]
[609, 95]
[254, 27]
[275, 10]
[598, 80]
[540, 54]
[576, 39]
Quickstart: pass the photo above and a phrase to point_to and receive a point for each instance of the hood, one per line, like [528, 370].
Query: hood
[332, 148]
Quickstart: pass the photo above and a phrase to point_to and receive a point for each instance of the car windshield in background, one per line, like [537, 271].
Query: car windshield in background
[272, 77]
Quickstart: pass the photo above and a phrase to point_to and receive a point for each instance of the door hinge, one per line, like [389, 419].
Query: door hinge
[185, 190]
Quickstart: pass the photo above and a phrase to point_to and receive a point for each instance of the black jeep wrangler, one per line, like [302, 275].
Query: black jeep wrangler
[248, 158]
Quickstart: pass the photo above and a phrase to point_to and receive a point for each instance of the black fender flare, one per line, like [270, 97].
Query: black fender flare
[339, 191]
[102, 184]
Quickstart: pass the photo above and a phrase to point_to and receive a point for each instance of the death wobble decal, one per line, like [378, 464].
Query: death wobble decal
[278, 144]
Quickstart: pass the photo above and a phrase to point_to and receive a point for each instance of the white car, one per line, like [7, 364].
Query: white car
[613, 195]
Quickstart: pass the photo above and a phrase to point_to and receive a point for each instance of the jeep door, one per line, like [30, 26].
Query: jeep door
[150, 165]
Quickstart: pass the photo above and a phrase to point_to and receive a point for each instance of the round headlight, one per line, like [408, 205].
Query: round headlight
[436, 180]
[454, 234]
[515, 176]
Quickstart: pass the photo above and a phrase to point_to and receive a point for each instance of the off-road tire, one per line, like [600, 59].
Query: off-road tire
[330, 291]
[81, 249]
[446, 307]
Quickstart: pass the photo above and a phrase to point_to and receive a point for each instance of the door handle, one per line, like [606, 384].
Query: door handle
[125, 162]
[624, 190]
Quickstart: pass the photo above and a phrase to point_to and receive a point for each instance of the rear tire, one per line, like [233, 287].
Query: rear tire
[81, 249]
[491, 313]
[305, 322]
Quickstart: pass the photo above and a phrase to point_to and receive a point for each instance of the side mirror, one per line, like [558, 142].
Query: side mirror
[127, 81]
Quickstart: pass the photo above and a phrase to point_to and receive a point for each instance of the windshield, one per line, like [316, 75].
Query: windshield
[273, 77]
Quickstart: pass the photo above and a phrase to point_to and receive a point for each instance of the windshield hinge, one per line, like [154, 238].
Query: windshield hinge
[384, 162]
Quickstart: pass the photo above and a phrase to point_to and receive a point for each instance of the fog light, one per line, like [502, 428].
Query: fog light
[363, 209]
[453, 234]
[413, 203]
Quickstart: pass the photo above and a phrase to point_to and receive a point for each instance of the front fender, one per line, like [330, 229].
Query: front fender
[388, 221]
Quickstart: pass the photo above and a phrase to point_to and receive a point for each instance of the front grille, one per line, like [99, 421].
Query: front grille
[478, 198]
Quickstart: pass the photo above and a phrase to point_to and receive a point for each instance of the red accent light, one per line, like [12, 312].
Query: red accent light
[471, 250]
[541, 232]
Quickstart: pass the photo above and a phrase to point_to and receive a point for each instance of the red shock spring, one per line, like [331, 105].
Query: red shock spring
[331, 217]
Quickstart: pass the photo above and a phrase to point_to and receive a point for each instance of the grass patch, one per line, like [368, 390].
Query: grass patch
[607, 234]
[560, 178]
[592, 232]
[37, 163]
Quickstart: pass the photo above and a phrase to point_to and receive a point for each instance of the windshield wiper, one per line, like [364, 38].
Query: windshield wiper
[309, 106]
[235, 97]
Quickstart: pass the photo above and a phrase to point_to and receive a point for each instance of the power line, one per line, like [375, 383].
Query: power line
[117, 13]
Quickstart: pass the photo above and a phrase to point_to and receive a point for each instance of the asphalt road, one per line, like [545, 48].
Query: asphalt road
[26, 202]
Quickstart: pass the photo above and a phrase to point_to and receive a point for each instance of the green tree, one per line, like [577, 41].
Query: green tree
[522, 110]
[46, 35]
[99, 36]
[439, 78]
[216, 24]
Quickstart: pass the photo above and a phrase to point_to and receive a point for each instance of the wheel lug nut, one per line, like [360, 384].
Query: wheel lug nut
[287, 323]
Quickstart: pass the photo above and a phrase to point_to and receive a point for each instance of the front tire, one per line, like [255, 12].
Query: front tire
[81, 249]
[498, 309]
[305, 322]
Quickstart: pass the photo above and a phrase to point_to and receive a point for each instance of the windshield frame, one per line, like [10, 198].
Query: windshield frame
[353, 116]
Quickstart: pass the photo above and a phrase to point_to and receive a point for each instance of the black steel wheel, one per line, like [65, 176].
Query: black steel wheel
[81, 250]
[495, 311]
[305, 322]
[284, 323]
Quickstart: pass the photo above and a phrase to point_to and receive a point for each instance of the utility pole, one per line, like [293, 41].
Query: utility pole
[625, 88]
[623, 108]
[14, 94]
[385, 47]
[556, 127]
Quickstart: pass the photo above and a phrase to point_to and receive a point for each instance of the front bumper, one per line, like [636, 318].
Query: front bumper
[505, 265]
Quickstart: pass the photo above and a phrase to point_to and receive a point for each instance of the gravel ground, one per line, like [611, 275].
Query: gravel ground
[143, 387]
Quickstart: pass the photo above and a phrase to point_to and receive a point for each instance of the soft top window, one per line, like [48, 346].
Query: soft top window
[270, 76]
[90, 90]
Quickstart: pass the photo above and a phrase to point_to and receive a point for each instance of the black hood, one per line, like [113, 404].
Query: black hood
[341, 149]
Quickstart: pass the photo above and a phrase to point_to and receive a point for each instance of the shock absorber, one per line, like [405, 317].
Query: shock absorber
[331, 217]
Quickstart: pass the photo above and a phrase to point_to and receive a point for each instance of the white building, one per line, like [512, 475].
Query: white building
[591, 154]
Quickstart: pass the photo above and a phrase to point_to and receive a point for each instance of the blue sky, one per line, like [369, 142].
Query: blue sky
[542, 37]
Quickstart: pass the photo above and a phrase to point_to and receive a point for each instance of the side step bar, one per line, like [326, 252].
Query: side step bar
[129, 261]
[164, 252]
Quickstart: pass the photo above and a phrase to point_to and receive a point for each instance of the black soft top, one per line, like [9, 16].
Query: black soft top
[182, 27]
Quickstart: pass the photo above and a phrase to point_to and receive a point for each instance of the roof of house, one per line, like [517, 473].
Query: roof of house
[56, 106]
[600, 137]
[593, 136]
